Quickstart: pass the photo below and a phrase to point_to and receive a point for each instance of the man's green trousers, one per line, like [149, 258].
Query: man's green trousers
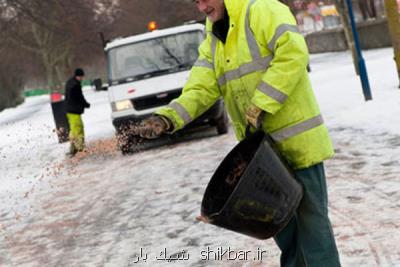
[76, 133]
[308, 238]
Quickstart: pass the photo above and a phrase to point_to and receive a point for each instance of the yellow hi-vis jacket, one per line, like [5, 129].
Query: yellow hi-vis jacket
[263, 62]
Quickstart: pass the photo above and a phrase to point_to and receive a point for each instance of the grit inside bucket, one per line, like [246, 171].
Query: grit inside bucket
[252, 192]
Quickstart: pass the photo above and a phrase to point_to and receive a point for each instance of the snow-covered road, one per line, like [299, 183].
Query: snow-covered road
[105, 209]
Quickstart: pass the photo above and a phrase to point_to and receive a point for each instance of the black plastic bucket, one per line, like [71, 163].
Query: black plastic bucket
[252, 192]
[61, 121]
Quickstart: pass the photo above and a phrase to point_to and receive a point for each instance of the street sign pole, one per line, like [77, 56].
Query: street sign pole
[361, 62]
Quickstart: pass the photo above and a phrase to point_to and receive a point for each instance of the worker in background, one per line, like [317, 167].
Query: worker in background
[255, 58]
[75, 106]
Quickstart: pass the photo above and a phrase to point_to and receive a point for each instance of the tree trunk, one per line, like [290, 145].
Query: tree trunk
[393, 18]
[344, 16]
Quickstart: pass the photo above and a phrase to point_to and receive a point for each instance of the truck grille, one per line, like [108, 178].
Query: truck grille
[156, 100]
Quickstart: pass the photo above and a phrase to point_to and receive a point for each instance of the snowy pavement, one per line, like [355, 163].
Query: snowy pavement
[105, 209]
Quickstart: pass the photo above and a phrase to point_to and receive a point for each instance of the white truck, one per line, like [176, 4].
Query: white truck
[149, 70]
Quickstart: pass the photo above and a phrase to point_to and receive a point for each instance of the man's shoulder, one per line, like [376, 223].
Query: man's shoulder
[72, 82]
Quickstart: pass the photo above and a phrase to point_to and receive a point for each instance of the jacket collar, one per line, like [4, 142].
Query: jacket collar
[234, 8]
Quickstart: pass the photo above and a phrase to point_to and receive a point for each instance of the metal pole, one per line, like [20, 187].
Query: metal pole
[361, 63]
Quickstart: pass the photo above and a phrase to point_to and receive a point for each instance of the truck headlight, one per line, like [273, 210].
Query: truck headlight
[121, 105]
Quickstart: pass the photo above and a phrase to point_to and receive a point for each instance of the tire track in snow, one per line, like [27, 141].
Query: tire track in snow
[380, 254]
[358, 165]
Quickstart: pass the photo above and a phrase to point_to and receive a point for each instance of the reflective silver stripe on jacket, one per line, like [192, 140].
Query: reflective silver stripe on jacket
[272, 92]
[213, 46]
[251, 40]
[299, 128]
[181, 111]
[260, 64]
[203, 63]
[278, 33]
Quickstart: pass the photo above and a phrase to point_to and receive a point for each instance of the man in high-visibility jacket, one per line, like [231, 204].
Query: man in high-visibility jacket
[255, 58]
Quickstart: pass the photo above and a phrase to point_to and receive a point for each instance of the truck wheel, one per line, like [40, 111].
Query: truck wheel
[222, 123]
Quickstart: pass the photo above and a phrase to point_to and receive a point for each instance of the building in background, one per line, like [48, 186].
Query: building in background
[317, 15]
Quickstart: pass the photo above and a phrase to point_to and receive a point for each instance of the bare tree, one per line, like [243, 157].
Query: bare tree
[56, 31]
[57, 36]
[11, 82]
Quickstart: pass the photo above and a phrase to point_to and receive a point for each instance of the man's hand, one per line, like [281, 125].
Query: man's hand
[255, 116]
[153, 127]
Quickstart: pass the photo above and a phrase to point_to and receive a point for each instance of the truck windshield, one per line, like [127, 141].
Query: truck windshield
[154, 57]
